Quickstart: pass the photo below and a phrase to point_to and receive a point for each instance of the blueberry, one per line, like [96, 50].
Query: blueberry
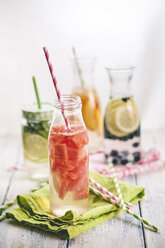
[136, 156]
[125, 99]
[136, 144]
[124, 161]
[131, 136]
[114, 153]
[115, 161]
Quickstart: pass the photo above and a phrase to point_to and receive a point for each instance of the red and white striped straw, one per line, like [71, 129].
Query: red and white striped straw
[135, 170]
[56, 87]
[104, 191]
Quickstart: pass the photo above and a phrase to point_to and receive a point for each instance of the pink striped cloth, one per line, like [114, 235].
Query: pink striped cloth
[150, 161]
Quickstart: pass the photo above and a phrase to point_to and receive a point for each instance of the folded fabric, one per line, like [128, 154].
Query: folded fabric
[34, 209]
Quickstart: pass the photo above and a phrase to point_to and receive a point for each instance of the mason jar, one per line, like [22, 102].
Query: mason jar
[35, 129]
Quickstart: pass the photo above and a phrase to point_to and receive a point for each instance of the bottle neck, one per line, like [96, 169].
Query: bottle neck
[120, 89]
[71, 107]
[120, 82]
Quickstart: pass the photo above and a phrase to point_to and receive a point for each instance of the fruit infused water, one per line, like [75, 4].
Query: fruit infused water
[83, 71]
[35, 129]
[91, 112]
[68, 159]
[121, 120]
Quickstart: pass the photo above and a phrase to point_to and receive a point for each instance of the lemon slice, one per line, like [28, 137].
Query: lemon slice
[111, 126]
[110, 119]
[127, 119]
[35, 147]
[121, 118]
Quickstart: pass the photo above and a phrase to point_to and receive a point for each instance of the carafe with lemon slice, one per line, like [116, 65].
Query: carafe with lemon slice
[35, 130]
[121, 120]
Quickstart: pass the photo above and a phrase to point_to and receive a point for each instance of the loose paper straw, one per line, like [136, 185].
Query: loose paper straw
[116, 184]
[115, 203]
[78, 67]
[11, 203]
[106, 192]
[56, 87]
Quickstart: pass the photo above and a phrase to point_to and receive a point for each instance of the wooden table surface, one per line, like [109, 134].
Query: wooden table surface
[121, 231]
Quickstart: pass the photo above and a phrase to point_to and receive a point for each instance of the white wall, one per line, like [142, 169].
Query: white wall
[123, 31]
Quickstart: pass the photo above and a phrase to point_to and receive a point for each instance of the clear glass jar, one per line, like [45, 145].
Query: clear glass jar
[68, 159]
[91, 108]
[121, 120]
[35, 129]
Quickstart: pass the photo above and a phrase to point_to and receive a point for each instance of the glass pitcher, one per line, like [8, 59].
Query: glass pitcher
[91, 109]
[121, 120]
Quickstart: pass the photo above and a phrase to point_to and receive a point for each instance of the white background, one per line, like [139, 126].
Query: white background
[123, 32]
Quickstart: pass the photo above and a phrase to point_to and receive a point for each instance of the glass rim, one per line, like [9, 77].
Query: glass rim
[120, 67]
[69, 102]
[84, 58]
[27, 107]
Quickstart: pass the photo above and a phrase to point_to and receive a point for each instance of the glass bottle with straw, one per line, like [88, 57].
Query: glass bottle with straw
[36, 120]
[83, 69]
[68, 154]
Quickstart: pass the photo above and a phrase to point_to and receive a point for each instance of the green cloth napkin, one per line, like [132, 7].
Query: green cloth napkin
[34, 209]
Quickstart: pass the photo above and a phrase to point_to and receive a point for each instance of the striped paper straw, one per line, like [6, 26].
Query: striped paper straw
[78, 67]
[115, 203]
[134, 170]
[141, 169]
[106, 192]
[56, 87]
[116, 184]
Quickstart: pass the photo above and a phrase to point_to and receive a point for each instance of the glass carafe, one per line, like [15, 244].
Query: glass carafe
[68, 159]
[121, 120]
[91, 109]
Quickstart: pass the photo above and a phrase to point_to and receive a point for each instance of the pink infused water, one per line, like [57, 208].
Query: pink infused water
[69, 169]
